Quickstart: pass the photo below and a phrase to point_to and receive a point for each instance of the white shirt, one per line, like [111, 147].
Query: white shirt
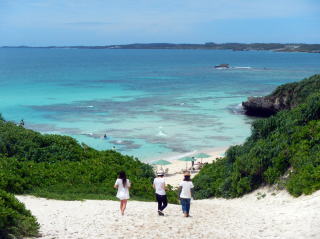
[123, 192]
[186, 189]
[159, 185]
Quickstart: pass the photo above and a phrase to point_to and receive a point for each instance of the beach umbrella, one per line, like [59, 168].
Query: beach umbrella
[202, 156]
[160, 162]
[187, 159]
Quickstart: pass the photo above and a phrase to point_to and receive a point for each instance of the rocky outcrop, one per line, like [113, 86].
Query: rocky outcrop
[285, 97]
[265, 106]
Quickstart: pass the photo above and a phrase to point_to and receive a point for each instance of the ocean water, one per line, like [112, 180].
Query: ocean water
[149, 103]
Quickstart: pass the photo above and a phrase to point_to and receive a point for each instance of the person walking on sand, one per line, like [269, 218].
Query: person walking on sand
[185, 189]
[160, 187]
[123, 185]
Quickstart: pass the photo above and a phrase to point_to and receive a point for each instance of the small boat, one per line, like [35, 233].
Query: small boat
[222, 66]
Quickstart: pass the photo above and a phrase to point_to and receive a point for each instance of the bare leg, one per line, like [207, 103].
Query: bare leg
[124, 205]
[121, 206]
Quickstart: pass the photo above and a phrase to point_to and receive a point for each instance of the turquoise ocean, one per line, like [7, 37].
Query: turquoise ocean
[149, 103]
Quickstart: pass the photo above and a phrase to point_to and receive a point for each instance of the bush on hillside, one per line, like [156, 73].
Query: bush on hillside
[26, 144]
[15, 220]
[58, 167]
[288, 140]
[297, 92]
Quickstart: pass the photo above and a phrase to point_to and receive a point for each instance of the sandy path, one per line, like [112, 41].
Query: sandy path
[279, 216]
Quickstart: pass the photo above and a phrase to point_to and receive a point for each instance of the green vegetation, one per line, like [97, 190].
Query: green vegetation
[54, 166]
[285, 97]
[296, 93]
[58, 166]
[15, 220]
[283, 149]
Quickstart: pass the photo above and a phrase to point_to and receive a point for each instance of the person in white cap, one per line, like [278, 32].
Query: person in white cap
[160, 187]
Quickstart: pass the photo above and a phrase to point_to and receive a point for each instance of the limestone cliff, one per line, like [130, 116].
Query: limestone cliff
[284, 97]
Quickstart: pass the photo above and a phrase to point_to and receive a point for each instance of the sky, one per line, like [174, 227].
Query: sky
[106, 22]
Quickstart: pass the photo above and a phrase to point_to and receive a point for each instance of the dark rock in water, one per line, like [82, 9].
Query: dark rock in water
[263, 106]
[222, 66]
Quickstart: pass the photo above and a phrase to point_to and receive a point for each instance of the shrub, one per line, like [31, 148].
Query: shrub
[15, 220]
[59, 167]
[290, 139]
[55, 166]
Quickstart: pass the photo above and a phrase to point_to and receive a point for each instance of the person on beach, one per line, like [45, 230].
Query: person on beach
[160, 187]
[192, 164]
[185, 189]
[21, 123]
[123, 185]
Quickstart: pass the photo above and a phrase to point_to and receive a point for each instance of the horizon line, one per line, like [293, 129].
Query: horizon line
[150, 43]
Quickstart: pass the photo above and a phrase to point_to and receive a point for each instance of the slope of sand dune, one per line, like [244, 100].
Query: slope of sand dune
[274, 216]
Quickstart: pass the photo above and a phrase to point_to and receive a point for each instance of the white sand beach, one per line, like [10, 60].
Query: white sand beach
[176, 167]
[278, 216]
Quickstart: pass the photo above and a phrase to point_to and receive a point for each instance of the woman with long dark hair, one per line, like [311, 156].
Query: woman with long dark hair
[123, 185]
[186, 187]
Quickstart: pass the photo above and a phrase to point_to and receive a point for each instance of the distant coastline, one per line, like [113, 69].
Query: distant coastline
[277, 47]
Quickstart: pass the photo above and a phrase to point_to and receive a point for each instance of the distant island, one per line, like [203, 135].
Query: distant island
[278, 47]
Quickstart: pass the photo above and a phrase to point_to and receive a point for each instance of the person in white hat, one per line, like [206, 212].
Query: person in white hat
[160, 187]
[185, 189]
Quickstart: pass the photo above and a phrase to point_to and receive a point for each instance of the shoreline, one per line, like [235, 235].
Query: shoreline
[175, 169]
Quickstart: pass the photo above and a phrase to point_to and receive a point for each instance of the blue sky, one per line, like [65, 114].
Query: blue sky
[102, 22]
